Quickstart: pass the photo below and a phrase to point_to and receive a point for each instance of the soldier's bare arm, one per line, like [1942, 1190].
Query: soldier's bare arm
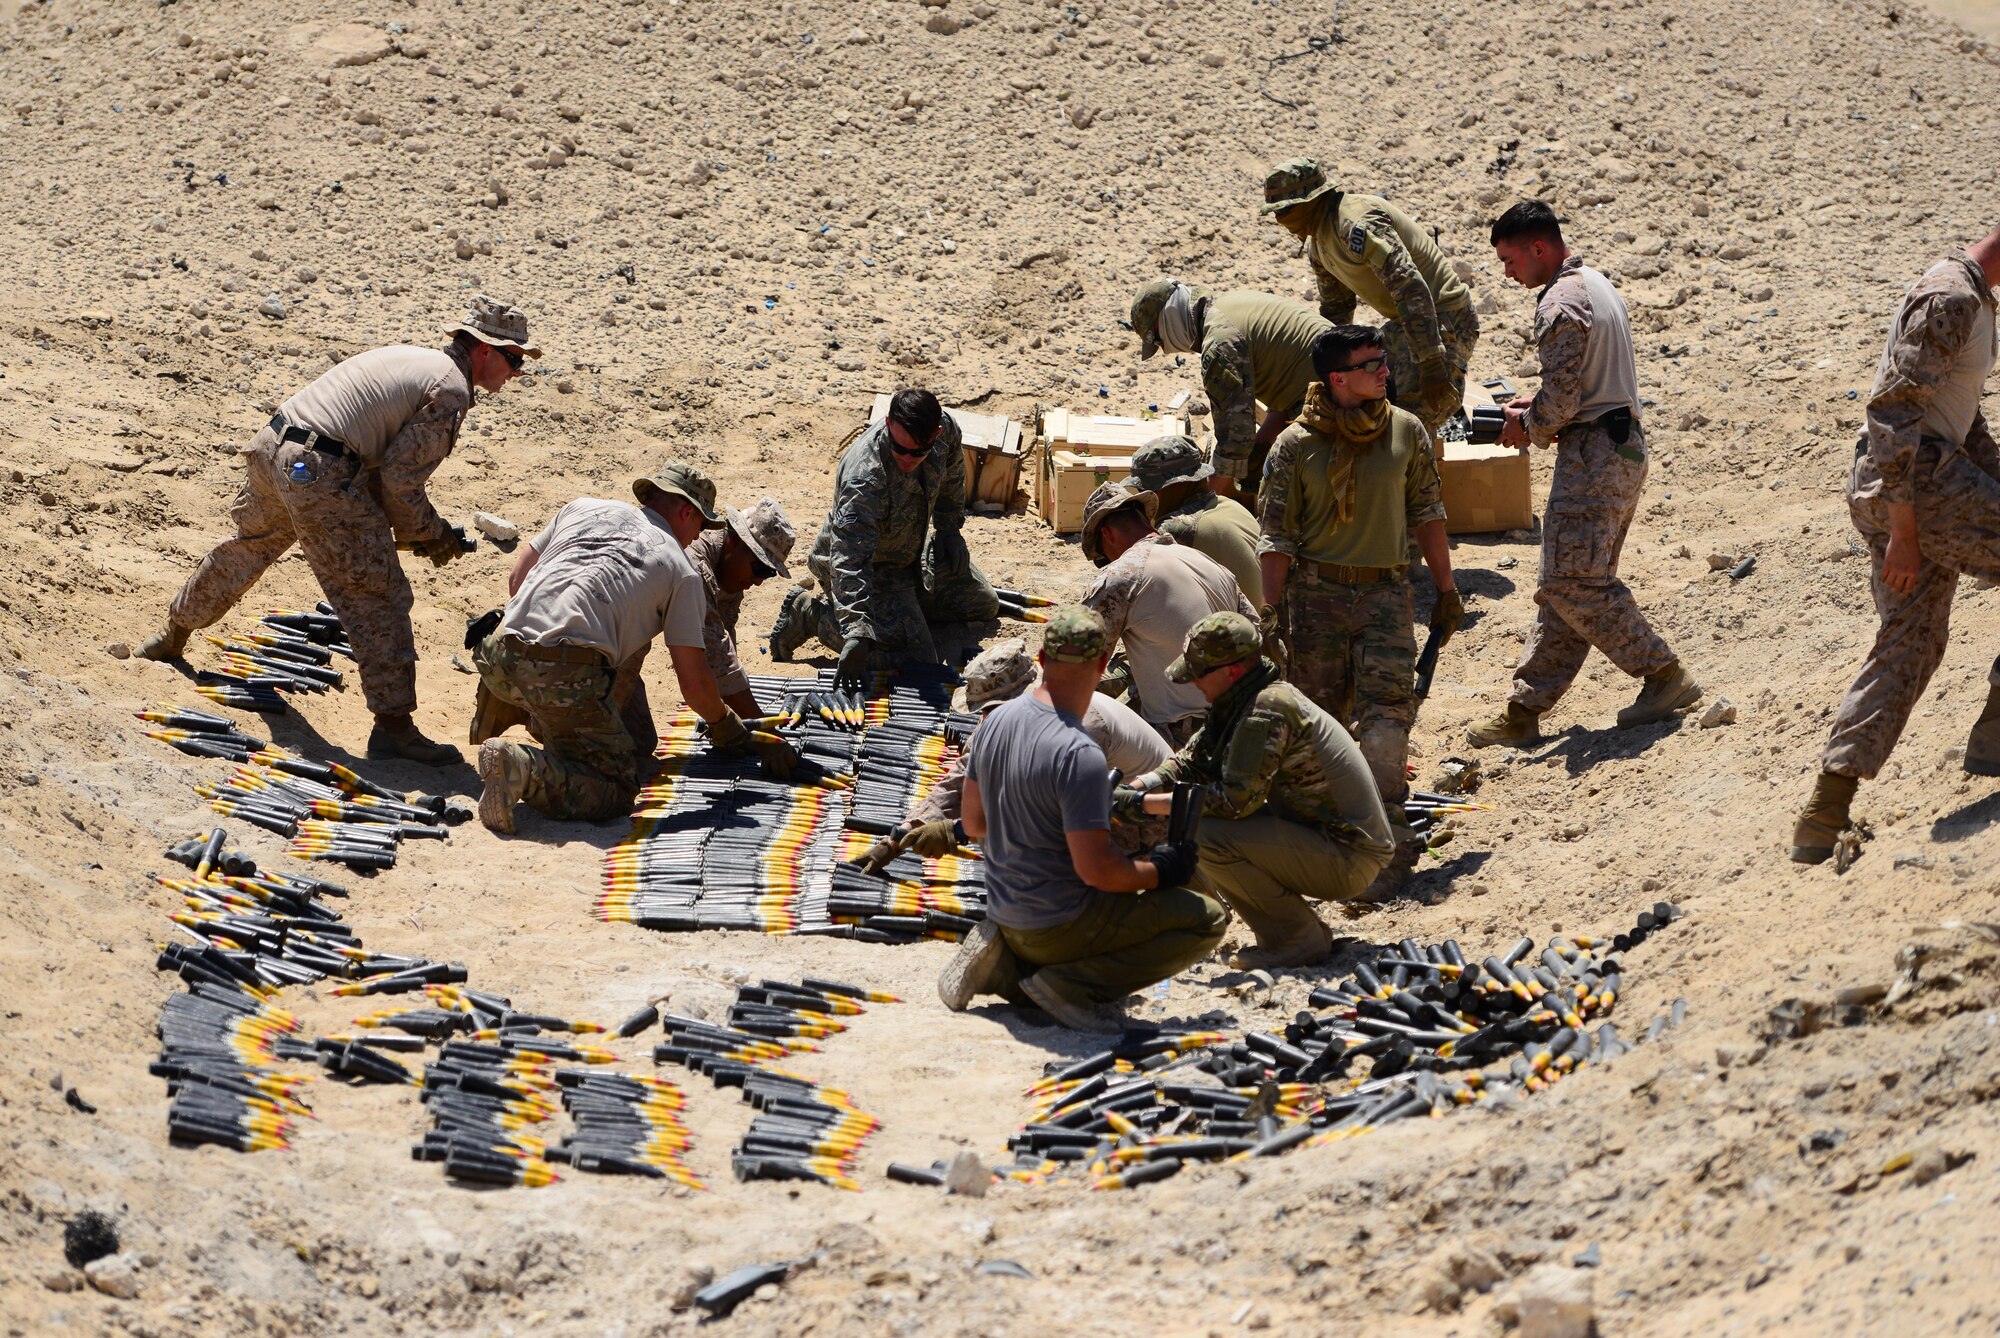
[523, 564]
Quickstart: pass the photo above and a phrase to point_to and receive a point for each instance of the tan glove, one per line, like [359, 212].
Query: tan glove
[934, 840]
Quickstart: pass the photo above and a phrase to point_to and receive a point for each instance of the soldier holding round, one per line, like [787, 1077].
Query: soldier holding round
[1588, 405]
[341, 470]
[1191, 513]
[1925, 493]
[1254, 348]
[1363, 247]
[588, 594]
[882, 584]
[1348, 485]
[1290, 812]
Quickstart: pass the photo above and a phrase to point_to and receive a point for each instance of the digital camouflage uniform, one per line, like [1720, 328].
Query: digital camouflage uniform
[587, 769]
[1290, 811]
[1942, 337]
[878, 574]
[1580, 602]
[1204, 520]
[1348, 613]
[346, 508]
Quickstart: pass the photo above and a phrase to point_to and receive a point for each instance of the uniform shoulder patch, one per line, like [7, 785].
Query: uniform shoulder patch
[1357, 240]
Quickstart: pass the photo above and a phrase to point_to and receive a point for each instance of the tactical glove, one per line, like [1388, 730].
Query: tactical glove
[949, 556]
[879, 855]
[857, 660]
[1175, 863]
[774, 754]
[1128, 805]
[444, 547]
[728, 734]
[934, 840]
[1276, 648]
[1446, 615]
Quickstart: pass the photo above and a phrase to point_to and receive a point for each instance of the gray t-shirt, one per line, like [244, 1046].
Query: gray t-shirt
[1039, 777]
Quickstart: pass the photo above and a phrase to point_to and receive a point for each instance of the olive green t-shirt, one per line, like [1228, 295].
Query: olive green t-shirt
[1396, 489]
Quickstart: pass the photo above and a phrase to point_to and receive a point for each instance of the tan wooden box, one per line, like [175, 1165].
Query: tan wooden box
[1078, 453]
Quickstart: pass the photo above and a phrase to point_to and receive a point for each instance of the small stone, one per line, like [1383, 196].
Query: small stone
[1721, 711]
[1734, 251]
[1912, 859]
[979, 1228]
[495, 528]
[56, 1081]
[857, 37]
[1550, 1301]
[1591, 1257]
[1721, 561]
[968, 1176]
[942, 24]
[272, 306]
[697, 1276]
[61, 1280]
[352, 44]
[114, 1275]
[368, 1284]
[1927, 1163]
[119, 650]
[1215, 60]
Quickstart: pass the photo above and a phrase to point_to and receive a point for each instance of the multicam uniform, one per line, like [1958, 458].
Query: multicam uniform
[1927, 446]
[1367, 248]
[1344, 489]
[341, 471]
[1588, 404]
[878, 576]
[1254, 347]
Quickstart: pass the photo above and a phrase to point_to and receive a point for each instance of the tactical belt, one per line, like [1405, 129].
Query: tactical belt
[319, 441]
[1617, 425]
[528, 650]
[1334, 571]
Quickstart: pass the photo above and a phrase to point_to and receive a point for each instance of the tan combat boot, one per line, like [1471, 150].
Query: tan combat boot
[1303, 941]
[1665, 692]
[397, 736]
[168, 645]
[792, 628]
[1825, 818]
[1982, 749]
[1516, 727]
[503, 770]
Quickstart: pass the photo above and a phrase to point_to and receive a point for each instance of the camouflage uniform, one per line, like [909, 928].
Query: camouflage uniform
[588, 766]
[1153, 578]
[1254, 348]
[1580, 602]
[1290, 810]
[1348, 613]
[877, 573]
[1941, 340]
[1205, 521]
[345, 500]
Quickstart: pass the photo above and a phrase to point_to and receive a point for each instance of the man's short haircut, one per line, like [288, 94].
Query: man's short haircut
[918, 411]
[1528, 221]
[1334, 350]
[463, 343]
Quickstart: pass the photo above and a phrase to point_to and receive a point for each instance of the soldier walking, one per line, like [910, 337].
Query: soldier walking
[1588, 404]
[340, 470]
[1925, 493]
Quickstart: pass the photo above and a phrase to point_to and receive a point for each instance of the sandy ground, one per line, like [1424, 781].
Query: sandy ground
[759, 218]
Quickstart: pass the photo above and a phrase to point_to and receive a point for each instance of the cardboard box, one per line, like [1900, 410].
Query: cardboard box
[992, 452]
[1078, 453]
[1485, 488]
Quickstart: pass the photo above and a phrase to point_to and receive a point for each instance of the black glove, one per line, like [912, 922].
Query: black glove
[1446, 615]
[1176, 863]
[774, 754]
[857, 661]
[934, 840]
[444, 547]
[949, 556]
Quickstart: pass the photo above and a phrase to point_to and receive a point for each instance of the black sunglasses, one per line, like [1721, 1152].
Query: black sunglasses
[1372, 365]
[514, 357]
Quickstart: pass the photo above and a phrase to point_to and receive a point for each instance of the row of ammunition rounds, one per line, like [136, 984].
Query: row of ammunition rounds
[1439, 1031]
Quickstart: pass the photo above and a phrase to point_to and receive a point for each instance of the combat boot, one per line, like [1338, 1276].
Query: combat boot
[1982, 748]
[1395, 875]
[1303, 941]
[168, 645]
[977, 969]
[1663, 693]
[503, 771]
[492, 717]
[1516, 727]
[1095, 1019]
[1825, 818]
[791, 629]
[397, 736]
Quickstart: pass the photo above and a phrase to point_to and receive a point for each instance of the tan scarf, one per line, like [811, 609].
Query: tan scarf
[1355, 432]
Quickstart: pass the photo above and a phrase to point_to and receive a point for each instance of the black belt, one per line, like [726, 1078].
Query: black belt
[289, 431]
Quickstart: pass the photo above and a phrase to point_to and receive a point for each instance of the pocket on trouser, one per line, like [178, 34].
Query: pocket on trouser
[1576, 543]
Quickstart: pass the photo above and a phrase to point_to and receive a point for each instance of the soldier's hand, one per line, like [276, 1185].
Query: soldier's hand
[880, 855]
[1175, 863]
[444, 547]
[1128, 804]
[1276, 648]
[1446, 615]
[728, 734]
[1515, 433]
[934, 840]
[777, 757]
[949, 555]
[1900, 563]
[857, 660]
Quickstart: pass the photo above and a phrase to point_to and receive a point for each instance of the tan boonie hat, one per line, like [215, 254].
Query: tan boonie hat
[1165, 461]
[1218, 639]
[1075, 635]
[1001, 671]
[1294, 181]
[1109, 498]
[491, 321]
[1145, 316]
[766, 532]
[682, 480]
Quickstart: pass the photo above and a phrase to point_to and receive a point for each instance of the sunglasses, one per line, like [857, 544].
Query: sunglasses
[908, 454]
[513, 356]
[1370, 367]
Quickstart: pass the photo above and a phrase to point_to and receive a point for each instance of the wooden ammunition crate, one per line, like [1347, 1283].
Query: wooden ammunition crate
[993, 453]
[1078, 453]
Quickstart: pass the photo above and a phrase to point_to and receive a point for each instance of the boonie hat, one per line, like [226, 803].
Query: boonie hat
[1001, 671]
[1294, 181]
[682, 480]
[1165, 461]
[491, 321]
[766, 531]
[1109, 498]
[1145, 320]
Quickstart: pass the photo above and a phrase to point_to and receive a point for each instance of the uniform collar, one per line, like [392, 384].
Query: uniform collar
[1570, 265]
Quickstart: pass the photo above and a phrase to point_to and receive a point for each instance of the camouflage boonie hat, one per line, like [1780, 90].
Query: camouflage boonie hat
[1165, 461]
[1108, 498]
[1218, 639]
[999, 672]
[1145, 320]
[682, 480]
[766, 531]
[1294, 181]
[1075, 635]
[491, 321]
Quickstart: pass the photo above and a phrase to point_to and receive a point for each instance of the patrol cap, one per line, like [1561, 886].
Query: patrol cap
[1001, 671]
[682, 480]
[1075, 635]
[766, 531]
[1165, 461]
[1218, 639]
[1110, 498]
[1294, 181]
[491, 321]
[1145, 320]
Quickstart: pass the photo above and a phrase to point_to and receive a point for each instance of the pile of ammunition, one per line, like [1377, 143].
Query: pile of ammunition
[715, 845]
[803, 1131]
[291, 650]
[1438, 1030]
